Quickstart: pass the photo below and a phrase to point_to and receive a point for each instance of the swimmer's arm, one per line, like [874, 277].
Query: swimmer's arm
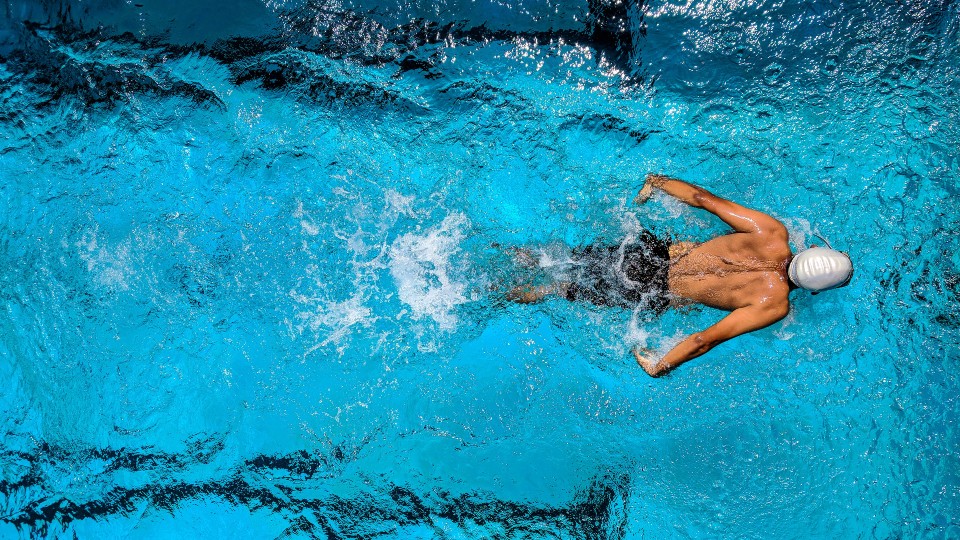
[738, 322]
[741, 218]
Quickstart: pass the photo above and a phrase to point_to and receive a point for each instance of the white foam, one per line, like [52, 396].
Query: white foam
[643, 337]
[783, 331]
[630, 223]
[335, 319]
[109, 265]
[637, 336]
[674, 207]
[552, 257]
[421, 266]
[401, 204]
[307, 222]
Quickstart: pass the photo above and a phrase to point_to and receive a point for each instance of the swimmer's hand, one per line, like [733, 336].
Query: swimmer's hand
[648, 361]
[650, 182]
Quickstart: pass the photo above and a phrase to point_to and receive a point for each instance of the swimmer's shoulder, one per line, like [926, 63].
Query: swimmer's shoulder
[772, 227]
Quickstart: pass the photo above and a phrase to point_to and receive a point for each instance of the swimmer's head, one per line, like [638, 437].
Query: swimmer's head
[818, 269]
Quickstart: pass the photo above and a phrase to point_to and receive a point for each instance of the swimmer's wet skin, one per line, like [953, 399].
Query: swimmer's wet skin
[749, 272]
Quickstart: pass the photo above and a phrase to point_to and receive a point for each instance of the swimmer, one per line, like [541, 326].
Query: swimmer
[748, 272]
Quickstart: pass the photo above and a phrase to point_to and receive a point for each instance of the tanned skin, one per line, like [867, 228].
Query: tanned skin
[744, 272]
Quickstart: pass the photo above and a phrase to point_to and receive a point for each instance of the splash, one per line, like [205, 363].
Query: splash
[637, 335]
[799, 231]
[335, 320]
[109, 265]
[422, 267]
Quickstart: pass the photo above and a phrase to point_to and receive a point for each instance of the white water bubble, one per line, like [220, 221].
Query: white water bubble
[422, 266]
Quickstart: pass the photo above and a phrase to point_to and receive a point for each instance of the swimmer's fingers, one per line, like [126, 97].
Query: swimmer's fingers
[648, 360]
[651, 181]
[644, 195]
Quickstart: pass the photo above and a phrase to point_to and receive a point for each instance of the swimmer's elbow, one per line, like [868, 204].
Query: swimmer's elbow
[699, 197]
[778, 311]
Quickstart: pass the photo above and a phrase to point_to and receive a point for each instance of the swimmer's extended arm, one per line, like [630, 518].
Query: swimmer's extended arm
[740, 321]
[741, 218]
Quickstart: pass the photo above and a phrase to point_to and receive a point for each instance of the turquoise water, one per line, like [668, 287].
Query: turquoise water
[251, 288]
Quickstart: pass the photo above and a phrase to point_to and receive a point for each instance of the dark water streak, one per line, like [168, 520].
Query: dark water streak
[39, 52]
[596, 511]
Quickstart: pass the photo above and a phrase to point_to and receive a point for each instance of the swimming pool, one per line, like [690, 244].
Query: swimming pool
[252, 286]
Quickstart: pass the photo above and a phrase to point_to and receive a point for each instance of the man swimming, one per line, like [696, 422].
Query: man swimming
[749, 272]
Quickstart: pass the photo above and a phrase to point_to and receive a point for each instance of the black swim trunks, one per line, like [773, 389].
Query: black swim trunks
[627, 276]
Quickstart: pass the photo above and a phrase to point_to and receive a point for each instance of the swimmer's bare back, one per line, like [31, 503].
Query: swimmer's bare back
[744, 272]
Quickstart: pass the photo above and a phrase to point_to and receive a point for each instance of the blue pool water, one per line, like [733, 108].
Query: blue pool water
[251, 285]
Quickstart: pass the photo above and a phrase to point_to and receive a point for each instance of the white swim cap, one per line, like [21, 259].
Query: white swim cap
[819, 269]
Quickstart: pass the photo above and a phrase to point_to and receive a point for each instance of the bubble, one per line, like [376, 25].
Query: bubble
[772, 74]
[830, 65]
